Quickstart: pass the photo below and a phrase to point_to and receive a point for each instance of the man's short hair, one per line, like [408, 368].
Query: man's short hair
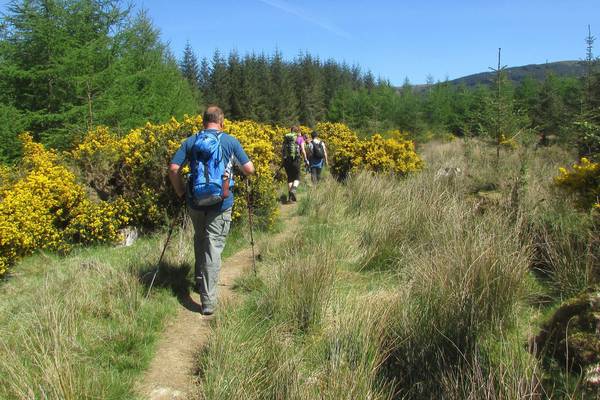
[314, 134]
[295, 128]
[213, 114]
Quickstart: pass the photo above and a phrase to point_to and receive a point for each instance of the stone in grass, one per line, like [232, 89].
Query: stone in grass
[447, 173]
[129, 235]
[571, 337]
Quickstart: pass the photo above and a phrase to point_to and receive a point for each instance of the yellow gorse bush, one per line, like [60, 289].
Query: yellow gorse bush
[396, 154]
[259, 141]
[5, 179]
[137, 166]
[393, 155]
[582, 179]
[98, 221]
[344, 148]
[122, 180]
[41, 210]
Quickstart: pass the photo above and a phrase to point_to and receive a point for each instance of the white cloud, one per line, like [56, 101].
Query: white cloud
[290, 9]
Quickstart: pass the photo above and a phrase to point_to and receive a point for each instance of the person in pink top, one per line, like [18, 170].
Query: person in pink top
[300, 142]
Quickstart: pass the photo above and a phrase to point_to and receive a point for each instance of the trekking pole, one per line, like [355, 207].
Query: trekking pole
[278, 169]
[251, 225]
[164, 249]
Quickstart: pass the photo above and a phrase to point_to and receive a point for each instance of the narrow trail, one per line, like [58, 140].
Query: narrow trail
[171, 373]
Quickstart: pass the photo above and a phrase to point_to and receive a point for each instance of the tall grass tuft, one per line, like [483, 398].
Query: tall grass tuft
[407, 288]
[80, 327]
[301, 290]
[354, 349]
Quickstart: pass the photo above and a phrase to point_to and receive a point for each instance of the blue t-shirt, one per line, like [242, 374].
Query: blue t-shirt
[233, 153]
[313, 161]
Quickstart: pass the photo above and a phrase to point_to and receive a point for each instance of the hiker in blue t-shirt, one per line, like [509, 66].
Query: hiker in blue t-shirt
[317, 156]
[211, 222]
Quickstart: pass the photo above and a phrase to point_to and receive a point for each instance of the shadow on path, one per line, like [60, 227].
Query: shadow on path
[173, 373]
[177, 278]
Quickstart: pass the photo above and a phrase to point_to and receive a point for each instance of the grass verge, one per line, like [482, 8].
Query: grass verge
[420, 287]
[80, 327]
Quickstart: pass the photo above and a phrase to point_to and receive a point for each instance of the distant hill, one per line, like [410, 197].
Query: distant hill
[517, 74]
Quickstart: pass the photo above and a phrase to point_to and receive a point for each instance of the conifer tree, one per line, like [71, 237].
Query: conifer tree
[526, 95]
[335, 78]
[204, 79]
[68, 65]
[548, 116]
[340, 109]
[309, 89]
[219, 89]
[148, 85]
[190, 69]
[263, 86]
[438, 106]
[356, 77]
[407, 109]
[56, 61]
[369, 81]
[236, 82]
[250, 88]
[504, 119]
[587, 123]
[589, 62]
[283, 103]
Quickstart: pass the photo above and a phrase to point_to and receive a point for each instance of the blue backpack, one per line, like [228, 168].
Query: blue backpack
[209, 183]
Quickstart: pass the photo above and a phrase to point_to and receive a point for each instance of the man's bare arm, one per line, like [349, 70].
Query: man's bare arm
[303, 152]
[176, 179]
[248, 168]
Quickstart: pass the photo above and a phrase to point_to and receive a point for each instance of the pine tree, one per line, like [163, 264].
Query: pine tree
[263, 87]
[236, 81]
[309, 89]
[504, 121]
[587, 123]
[148, 85]
[526, 96]
[57, 59]
[589, 62]
[340, 109]
[219, 89]
[438, 106]
[283, 103]
[250, 88]
[548, 116]
[479, 112]
[335, 78]
[356, 77]
[369, 81]
[407, 108]
[190, 69]
[204, 80]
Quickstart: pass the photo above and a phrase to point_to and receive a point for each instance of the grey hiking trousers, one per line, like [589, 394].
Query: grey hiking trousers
[210, 231]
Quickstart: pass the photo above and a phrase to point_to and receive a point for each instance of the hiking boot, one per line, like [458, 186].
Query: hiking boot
[293, 196]
[208, 310]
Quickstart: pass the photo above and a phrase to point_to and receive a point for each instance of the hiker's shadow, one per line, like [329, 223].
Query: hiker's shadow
[174, 277]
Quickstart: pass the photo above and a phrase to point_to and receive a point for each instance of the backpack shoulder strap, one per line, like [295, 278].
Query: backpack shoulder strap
[221, 150]
[189, 150]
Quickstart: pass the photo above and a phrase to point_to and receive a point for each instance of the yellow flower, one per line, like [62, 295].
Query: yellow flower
[49, 206]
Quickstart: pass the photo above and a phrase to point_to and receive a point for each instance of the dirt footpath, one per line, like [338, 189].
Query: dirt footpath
[171, 374]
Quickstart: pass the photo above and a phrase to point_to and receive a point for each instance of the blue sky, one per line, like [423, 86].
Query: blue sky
[394, 39]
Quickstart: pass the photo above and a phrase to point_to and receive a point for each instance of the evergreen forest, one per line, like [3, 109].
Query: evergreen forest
[67, 66]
